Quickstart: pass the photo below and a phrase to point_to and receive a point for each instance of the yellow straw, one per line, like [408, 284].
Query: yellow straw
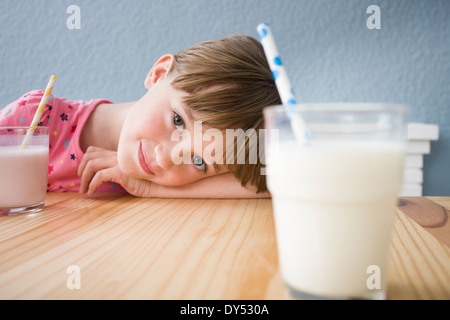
[38, 114]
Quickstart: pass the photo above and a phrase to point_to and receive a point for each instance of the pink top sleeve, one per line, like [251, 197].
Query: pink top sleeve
[65, 119]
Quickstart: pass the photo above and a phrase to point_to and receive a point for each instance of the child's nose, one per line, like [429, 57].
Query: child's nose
[172, 153]
[162, 157]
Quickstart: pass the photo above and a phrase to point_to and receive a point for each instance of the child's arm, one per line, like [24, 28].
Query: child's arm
[220, 186]
[99, 166]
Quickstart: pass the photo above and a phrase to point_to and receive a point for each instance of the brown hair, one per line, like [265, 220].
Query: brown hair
[237, 67]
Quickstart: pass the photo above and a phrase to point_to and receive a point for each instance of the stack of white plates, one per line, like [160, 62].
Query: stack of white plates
[420, 136]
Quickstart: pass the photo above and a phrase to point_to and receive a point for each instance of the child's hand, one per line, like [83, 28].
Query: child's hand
[99, 165]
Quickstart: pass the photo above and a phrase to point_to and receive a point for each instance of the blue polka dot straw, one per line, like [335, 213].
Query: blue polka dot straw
[281, 78]
[276, 65]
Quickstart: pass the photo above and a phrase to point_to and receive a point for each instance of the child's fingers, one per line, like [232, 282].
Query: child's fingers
[107, 175]
[136, 187]
[92, 167]
[93, 153]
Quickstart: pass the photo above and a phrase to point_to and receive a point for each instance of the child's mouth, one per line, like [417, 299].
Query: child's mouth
[143, 161]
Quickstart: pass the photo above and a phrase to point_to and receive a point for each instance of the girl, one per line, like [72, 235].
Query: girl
[102, 146]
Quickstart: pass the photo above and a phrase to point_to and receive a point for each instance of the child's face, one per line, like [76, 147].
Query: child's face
[145, 145]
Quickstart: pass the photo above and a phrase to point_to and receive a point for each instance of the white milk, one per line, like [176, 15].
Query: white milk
[334, 206]
[23, 176]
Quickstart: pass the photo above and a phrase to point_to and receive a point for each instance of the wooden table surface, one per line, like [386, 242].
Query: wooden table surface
[122, 247]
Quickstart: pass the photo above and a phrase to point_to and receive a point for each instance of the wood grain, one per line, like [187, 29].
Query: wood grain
[429, 214]
[419, 261]
[134, 248]
[131, 248]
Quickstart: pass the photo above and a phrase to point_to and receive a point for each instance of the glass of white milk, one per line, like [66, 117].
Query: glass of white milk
[23, 170]
[334, 195]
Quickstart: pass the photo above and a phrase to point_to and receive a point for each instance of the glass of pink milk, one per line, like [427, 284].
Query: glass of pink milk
[23, 170]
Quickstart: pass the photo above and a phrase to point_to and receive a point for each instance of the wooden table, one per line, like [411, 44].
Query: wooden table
[112, 246]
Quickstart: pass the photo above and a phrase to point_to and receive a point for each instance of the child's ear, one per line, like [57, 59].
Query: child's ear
[160, 70]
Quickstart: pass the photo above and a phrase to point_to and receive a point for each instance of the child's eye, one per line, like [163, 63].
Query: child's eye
[198, 163]
[178, 121]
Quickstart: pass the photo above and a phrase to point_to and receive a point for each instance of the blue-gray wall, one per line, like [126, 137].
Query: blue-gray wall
[330, 53]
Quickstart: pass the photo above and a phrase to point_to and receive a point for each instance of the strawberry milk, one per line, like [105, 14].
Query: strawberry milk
[23, 172]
